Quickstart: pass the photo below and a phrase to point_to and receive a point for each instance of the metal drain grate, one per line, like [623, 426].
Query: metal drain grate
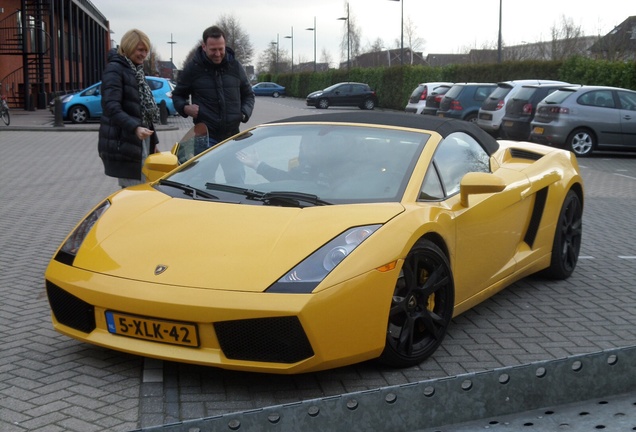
[610, 414]
[588, 392]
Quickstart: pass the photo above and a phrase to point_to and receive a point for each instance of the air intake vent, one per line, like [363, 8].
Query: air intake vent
[69, 310]
[525, 154]
[279, 340]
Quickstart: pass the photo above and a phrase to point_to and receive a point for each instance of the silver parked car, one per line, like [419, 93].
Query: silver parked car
[587, 118]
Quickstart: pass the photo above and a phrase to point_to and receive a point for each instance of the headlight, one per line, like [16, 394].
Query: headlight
[312, 270]
[67, 98]
[69, 249]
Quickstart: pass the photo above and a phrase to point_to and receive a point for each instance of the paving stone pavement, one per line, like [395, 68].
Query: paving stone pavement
[49, 382]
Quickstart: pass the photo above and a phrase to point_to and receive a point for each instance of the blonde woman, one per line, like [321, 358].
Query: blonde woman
[126, 133]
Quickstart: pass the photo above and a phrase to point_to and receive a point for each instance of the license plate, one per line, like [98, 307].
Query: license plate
[508, 123]
[440, 115]
[170, 332]
[537, 130]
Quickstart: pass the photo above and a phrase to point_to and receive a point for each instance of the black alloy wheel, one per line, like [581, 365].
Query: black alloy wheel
[421, 307]
[567, 238]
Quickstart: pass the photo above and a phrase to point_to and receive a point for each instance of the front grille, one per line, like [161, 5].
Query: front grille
[279, 340]
[69, 310]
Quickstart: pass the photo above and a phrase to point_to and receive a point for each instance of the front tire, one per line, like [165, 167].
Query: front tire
[421, 307]
[581, 142]
[567, 238]
[323, 104]
[78, 114]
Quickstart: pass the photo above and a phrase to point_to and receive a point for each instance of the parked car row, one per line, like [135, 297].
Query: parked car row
[579, 118]
[87, 104]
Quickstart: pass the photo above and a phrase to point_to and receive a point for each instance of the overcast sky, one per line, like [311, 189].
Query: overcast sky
[443, 26]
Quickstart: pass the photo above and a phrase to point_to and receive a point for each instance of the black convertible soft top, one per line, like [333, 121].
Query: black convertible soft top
[443, 126]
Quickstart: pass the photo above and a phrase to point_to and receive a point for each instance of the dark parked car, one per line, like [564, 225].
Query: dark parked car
[520, 110]
[587, 118]
[268, 89]
[463, 100]
[434, 99]
[344, 94]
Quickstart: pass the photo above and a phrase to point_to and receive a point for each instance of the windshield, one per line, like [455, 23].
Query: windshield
[332, 164]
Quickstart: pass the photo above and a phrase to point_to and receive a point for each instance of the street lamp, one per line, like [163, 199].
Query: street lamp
[292, 42]
[401, 33]
[171, 45]
[313, 29]
[276, 64]
[499, 42]
[348, 37]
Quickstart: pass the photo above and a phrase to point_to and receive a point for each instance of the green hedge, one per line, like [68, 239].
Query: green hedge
[395, 84]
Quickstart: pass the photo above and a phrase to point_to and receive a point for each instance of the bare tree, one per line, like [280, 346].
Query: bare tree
[151, 64]
[191, 53]
[237, 38]
[567, 40]
[350, 46]
[325, 57]
[413, 41]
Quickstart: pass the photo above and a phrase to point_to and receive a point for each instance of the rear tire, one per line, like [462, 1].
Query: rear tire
[275, 94]
[567, 238]
[368, 104]
[581, 142]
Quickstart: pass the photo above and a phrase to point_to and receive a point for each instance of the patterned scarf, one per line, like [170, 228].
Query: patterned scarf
[149, 108]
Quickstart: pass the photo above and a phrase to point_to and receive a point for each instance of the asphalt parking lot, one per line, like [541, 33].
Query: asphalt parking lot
[48, 382]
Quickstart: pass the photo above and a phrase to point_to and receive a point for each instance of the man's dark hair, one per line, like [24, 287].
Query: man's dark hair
[213, 32]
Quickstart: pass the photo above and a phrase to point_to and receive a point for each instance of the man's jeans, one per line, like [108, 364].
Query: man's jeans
[233, 170]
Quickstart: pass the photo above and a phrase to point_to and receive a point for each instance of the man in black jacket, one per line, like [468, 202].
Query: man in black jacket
[222, 95]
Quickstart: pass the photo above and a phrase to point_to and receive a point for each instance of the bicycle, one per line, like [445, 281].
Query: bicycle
[4, 110]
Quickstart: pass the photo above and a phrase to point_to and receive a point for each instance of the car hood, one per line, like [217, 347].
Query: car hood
[213, 245]
[316, 93]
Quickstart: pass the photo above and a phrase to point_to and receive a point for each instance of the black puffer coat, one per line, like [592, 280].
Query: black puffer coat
[223, 92]
[118, 145]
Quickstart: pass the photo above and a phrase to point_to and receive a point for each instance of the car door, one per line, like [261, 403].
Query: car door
[597, 109]
[490, 229]
[341, 95]
[628, 117]
[92, 99]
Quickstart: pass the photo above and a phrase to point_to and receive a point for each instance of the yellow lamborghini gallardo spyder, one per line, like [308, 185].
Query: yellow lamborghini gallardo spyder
[315, 242]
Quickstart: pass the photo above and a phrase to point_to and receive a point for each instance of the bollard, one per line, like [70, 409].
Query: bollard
[59, 121]
[163, 112]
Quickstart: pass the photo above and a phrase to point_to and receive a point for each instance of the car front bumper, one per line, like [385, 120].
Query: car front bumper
[235, 330]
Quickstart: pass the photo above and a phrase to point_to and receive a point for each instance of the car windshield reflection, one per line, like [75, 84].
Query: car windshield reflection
[334, 164]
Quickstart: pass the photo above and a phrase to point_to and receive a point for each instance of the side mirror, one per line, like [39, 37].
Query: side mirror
[159, 164]
[479, 183]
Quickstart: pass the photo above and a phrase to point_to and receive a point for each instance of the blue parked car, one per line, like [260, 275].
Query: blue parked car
[87, 104]
[268, 89]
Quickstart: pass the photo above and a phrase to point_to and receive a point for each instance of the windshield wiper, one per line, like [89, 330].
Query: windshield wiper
[280, 198]
[289, 198]
[195, 193]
